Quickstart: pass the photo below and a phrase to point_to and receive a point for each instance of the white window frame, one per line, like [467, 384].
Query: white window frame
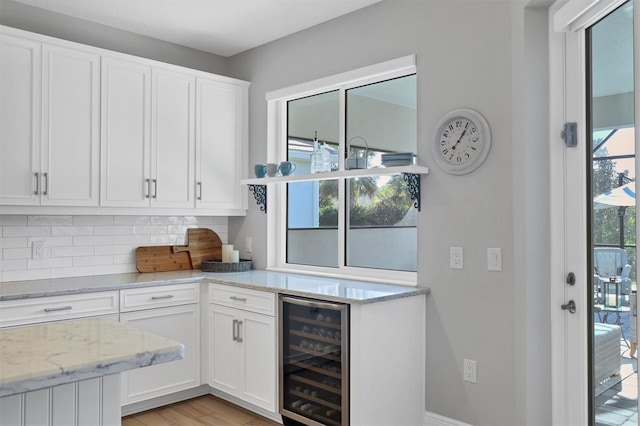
[277, 151]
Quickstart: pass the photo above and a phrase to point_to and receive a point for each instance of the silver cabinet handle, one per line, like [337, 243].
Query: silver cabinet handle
[46, 183]
[238, 299]
[148, 182]
[37, 191]
[199, 190]
[155, 188]
[238, 338]
[234, 329]
[61, 308]
[168, 296]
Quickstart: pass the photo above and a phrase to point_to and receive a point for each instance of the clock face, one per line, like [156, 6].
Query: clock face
[461, 142]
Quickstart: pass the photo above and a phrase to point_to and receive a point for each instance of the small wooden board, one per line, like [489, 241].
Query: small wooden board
[202, 244]
[161, 259]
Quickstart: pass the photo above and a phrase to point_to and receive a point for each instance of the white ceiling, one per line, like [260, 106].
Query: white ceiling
[223, 27]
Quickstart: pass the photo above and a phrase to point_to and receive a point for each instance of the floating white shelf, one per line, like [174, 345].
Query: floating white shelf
[354, 173]
[412, 175]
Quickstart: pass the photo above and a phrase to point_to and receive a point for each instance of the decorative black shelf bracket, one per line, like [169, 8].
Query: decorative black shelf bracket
[413, 186]
[260, 194]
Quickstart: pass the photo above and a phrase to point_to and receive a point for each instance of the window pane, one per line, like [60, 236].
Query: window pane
[381, 220]
[312, 207]
[381, 118]
[381, 231]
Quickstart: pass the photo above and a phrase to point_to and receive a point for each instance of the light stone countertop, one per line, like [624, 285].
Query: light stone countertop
[43, 355]
[324, 288]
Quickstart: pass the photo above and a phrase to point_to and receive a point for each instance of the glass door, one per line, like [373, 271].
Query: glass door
[610, 123]
[314, 353]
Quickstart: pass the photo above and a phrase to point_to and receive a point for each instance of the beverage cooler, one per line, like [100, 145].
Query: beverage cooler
[314, 361]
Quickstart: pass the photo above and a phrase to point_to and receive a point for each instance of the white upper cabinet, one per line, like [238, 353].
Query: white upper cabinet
[86, 127]
[126, 135]
[20, 75]
[220, 137]
[172, 139]
[70, 126]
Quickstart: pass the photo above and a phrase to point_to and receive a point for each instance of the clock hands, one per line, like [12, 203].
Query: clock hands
[461, 136]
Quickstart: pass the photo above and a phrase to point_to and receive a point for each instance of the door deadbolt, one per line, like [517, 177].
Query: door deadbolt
[571, 278]
[570, 306]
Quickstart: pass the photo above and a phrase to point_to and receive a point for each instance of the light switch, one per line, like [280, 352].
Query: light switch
[494, 259]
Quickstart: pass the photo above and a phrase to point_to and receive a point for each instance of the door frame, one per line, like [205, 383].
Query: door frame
[569, 221]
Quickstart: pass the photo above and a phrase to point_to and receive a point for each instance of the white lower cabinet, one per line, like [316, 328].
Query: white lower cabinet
[242, 348]
[180, 323]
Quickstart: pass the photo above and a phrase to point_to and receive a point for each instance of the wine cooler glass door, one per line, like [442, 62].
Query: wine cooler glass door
[314, 384]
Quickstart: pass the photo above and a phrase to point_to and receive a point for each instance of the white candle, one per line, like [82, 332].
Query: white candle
[226, 252]
[235, 256]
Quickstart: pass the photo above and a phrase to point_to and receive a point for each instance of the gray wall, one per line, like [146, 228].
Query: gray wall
[469, 54]
[486, 55]
[29, 18]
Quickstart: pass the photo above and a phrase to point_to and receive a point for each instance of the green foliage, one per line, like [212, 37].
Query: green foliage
[606, 222]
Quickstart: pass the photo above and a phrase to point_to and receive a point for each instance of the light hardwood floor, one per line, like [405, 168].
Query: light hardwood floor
[204, 410]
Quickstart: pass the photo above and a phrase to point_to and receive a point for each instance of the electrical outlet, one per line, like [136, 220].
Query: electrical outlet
[456, 258]
[470, 371]
[248, 242]
[37, 250]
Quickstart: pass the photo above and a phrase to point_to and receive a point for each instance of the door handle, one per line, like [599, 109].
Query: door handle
[199, 190]
[238, 338]
[570, 306]
[234, 328]
[37, 192]
[155, 188]
[45, 190]
[148, 182]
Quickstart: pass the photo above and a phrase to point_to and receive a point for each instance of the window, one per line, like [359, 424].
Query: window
[352, 227]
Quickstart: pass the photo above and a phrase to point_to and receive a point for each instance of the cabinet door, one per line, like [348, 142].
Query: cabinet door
[125, 134]
[19, 120]
[172, 139]
[70, 126]
[220, 155]
[258, 333]
[179, 323]
[224, 350]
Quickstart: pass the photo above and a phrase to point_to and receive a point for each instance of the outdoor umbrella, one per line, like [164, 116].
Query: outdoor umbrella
[622, 197]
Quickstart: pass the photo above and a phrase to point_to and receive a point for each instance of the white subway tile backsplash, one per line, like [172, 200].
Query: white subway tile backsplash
[50, 220]
[92, 260]
[149, 229]
[88, 245]
[166, 220]
[24, 274]
[134, 240]
[131, 220]
[114, 249]
[9, 220]
[114, 269]
[93, 220]
[16, 253]
[13, 242]
[52, 241]
[26, 231]
[102, 240]
[13, 265]
[50, 263]
[113, 230]
[124, 258]
[61, 231]
[72, 251]
[81, 271]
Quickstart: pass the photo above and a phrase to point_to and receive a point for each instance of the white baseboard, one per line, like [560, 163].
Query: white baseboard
[433, 419]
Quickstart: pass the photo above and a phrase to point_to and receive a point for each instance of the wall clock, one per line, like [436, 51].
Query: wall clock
[462, 141]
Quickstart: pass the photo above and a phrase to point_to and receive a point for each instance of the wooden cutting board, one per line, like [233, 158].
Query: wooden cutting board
[161, 259]
[202, 244]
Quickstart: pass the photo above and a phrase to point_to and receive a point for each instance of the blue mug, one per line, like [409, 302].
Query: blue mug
[287, 168]
[260, 170]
